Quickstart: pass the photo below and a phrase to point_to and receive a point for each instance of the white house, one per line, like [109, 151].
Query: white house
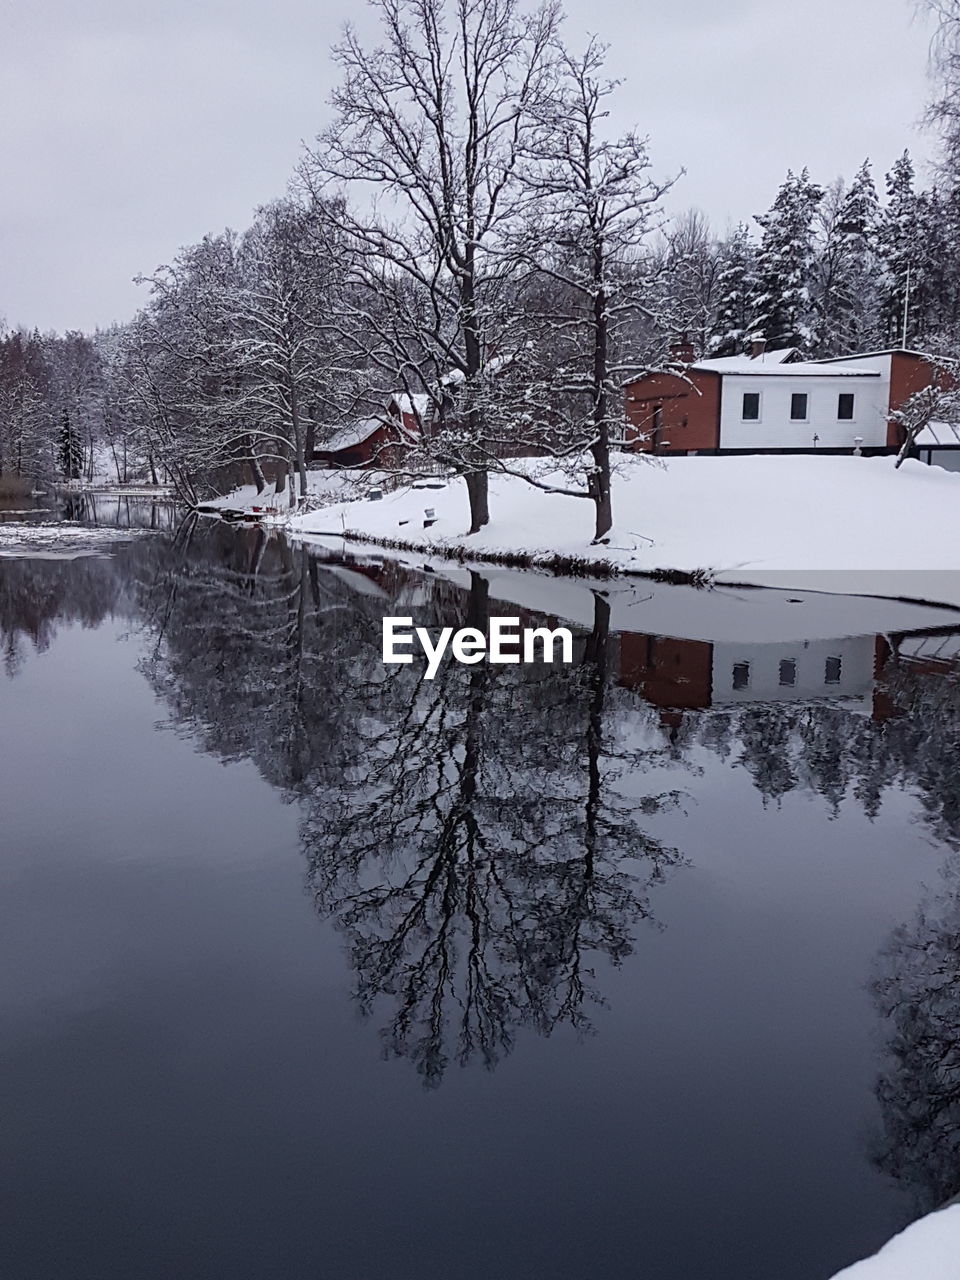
[773, 401]
[802, 405]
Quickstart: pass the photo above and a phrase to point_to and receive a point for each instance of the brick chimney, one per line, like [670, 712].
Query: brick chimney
[758, 345]
[681, 350]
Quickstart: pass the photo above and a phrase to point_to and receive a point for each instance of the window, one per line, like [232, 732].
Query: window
[845, 406]
[741, 675]
[798, 406]
[788, 672]
[751, 406]
[831, 674]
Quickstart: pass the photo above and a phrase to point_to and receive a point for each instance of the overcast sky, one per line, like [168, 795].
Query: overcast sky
[130, 128]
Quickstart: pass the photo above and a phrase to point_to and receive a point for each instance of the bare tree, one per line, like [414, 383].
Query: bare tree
[593, 203]
[277, 344]
[690, 278]
[944, 109]
[430, 127]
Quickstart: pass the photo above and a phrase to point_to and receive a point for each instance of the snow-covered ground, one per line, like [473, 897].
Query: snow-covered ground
[927, 1250]
[323, 486]
[846, 524]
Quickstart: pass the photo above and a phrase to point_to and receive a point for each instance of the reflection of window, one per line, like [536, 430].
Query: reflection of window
[845, 406]
[798, 406]
[788, 671]
[751, 406]
[741, 675]
[832, 670]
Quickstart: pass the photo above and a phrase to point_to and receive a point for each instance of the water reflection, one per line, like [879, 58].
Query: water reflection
[90, 507]
[488, 843]
[479, 851]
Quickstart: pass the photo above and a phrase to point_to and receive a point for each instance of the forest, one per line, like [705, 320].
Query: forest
[469, 234]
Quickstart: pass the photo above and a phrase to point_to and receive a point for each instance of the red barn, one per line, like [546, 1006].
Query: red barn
[375, 442]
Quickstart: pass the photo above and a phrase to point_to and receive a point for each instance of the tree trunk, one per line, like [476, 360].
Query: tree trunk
[257, 471]
[297, 438]
[477, 481]
[596, 659]
[281, 480]
[599, 485]
[310, 433]
[599, 488]
[478, 491]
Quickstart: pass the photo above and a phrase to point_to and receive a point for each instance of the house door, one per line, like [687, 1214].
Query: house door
[655, 434]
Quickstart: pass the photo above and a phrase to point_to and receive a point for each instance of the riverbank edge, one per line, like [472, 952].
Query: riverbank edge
[567, 566]
[558, 563]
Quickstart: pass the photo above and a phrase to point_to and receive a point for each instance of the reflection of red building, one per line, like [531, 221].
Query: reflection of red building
[665, 671]
[931, 653]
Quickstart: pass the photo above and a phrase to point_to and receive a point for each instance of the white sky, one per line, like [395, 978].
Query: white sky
[130, 128]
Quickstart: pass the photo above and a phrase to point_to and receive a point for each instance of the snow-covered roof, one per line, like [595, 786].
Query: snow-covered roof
[869, 355]
[800, 369]
[453, 377]
[939, 434]
[780, 363]
[411, 404]
[350, 436]
[746, 363]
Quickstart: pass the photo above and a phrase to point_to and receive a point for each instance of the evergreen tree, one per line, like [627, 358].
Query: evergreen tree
[781, 303]
[845, 270]
[898, 242]
[71, 450]
[735, 287]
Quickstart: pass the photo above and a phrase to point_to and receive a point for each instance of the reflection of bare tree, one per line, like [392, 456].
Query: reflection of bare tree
[483, 859]
[481, 839]
[918, 994]
[36, 596]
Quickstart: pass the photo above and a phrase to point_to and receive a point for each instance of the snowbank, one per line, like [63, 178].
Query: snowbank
[852, 525]
[327, 486]
[59, 541]
[927, 1250]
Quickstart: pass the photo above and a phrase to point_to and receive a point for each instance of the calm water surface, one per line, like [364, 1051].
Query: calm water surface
[643, 967]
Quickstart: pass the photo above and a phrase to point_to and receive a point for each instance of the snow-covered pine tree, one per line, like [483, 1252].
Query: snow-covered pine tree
[70, 451]
[935, 302]
[845, 283]
[899, 237]
[735, 288]
[781, 302]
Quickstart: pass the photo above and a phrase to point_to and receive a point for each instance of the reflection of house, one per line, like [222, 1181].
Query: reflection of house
[772, 401]
[934, 652]
[678, 676]
[797, 672]
[683, 675]
[665, 671]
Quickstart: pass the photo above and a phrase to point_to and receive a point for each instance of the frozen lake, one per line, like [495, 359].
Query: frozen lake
[644, 966]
